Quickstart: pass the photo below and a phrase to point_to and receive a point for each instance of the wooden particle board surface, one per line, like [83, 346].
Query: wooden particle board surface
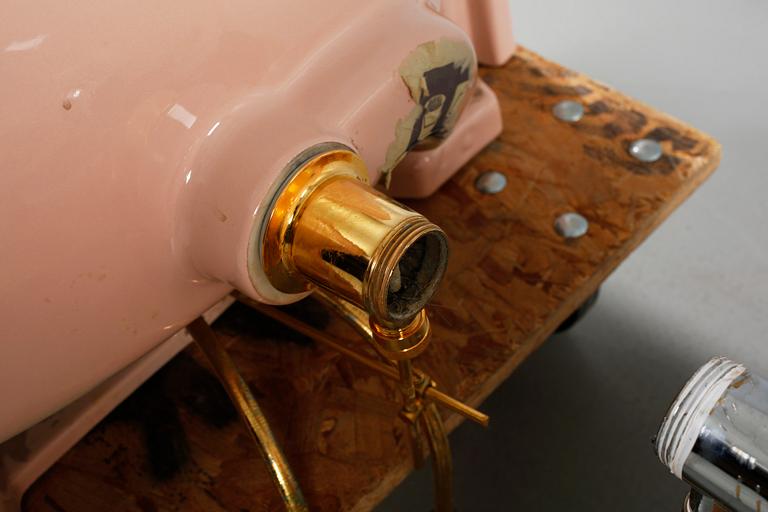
[512, 279]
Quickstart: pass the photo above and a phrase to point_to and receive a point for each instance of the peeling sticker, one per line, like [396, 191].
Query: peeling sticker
[438, 75]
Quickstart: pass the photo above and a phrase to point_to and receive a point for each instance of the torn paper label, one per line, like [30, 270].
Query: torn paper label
[438, 75]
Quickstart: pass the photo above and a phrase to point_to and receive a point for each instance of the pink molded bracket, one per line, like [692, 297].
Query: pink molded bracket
[487, 22]
[489, 25]
[421, 173]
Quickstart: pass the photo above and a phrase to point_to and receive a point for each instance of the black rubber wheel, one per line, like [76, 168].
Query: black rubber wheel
[580, 313]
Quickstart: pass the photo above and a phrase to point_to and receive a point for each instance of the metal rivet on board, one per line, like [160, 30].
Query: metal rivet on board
[646, 150]
[571, 225]
[568, 111]
[491, 182]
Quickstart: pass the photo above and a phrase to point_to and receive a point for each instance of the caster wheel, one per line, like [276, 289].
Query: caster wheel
[580, 313]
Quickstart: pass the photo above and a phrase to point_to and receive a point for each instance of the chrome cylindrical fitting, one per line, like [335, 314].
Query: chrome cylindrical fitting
[715, 435]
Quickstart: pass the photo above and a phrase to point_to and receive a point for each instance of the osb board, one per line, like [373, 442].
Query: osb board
[511, 281]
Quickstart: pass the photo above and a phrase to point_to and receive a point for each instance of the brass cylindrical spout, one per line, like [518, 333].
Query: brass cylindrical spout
[330, 228]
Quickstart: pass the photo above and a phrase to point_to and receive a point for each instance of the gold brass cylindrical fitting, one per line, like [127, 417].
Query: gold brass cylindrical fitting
[330, 228]
[400, 344]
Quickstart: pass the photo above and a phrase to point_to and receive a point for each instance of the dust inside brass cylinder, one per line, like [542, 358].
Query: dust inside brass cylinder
[329, 228]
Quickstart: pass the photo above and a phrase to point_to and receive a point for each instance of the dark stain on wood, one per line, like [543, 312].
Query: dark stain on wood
[679, 141]
[598, 107]
[611, 130]
[564, 90]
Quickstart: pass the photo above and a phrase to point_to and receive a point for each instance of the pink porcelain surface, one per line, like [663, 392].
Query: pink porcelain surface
[139, 141]
[487, 23]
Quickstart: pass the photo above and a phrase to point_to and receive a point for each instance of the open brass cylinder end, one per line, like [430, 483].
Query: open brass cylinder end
[329, 228]
[399, 344]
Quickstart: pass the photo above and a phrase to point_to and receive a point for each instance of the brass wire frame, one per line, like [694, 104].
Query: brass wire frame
[251, 414]
[387, 370]
[419, 394]
[419, 399]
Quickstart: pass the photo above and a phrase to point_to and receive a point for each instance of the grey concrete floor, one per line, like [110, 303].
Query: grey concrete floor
[571, 428]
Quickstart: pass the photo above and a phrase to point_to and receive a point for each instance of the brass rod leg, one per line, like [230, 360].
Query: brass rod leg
[410, 405]
[417, 443]
[330, 341]
[354, 316]
[405, 369]
[442, 467]
[249, 411]
[317, 335]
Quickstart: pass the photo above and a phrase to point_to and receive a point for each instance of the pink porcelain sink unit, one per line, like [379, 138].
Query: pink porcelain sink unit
[143, 144]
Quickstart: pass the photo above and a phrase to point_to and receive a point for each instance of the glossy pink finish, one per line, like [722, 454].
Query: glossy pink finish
[488, 24]
[138, 141]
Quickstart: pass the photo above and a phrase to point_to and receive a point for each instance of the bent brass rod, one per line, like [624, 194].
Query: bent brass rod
[430, 419]
[442, 467]
[355, 317]
[358, 319]
[405, 370]
[384, 369]
[317, 335]
[451, 403]
[251, 413]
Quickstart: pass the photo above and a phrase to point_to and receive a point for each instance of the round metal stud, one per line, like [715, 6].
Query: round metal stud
[491, 182]
[568, 111]
[571, 225]
[646, 150]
